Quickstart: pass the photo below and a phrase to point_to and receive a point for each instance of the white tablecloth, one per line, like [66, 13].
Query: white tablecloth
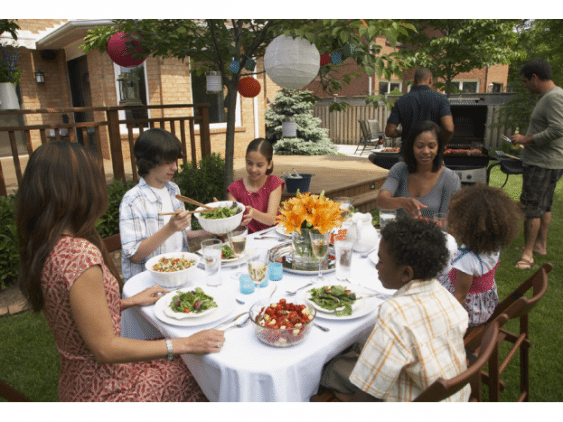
[248, 370]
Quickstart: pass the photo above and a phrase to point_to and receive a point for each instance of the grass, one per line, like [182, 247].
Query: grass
[29, 360]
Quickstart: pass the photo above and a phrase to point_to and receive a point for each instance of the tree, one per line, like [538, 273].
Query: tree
[211, 45]
[311, 139]
[451, 46]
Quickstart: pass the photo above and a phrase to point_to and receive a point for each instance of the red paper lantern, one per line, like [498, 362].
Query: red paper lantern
[325, 59]
[248, 87]
[120, 53]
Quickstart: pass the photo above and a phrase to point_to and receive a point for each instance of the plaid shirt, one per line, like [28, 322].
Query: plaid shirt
[417, 339]
[139, 220]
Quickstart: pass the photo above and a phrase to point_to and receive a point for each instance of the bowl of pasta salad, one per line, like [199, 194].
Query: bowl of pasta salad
[226, 216]
[283, 322]
[174, 269]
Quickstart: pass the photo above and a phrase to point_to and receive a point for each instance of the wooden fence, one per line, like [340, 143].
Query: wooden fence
[344, 128]
[104, 136]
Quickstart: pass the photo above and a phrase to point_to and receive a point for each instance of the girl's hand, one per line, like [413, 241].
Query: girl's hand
[412, 207]
[200, 343]
[248, 216]
[147, 296]
[180, 221]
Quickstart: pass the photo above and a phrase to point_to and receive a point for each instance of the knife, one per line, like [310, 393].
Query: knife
[230, 321]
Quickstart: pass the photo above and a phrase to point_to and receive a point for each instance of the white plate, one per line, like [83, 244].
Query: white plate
[180, 315]
[223, 298]
[281, 230]
[360, 308]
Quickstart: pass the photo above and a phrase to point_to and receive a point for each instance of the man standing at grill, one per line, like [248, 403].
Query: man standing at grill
[542, 157]
[420, 104]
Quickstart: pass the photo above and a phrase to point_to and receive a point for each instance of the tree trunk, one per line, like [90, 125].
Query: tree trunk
[232, 88]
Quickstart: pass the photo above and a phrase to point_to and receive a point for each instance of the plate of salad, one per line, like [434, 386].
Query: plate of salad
[190, 304]
[341, 301]
[170, 310]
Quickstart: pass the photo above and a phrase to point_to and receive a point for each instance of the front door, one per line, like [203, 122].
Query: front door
[81, 96]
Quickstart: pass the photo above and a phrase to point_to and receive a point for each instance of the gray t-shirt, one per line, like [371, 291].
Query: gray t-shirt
[546, 126]
[436, 200]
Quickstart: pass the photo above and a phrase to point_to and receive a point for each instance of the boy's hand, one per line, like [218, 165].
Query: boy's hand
[180, 221]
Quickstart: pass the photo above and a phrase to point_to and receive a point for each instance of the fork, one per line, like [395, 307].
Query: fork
[296, 290]
[238, 324]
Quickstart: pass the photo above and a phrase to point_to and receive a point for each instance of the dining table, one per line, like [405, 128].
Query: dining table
[246, 369]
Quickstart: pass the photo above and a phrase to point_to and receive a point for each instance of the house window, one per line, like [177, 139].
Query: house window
[134, 114]
[465, 87]
[217, 102]
[496, 87]
[386, 87]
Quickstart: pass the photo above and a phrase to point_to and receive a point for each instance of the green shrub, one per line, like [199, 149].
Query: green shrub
[9, 254]
[202, 182]
[108, 224]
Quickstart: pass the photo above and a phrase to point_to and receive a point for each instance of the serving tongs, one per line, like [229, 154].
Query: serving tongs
[193, 202]
[179, 211]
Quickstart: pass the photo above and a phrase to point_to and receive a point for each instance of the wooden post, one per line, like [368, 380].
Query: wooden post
[115, 144]
[204, 135]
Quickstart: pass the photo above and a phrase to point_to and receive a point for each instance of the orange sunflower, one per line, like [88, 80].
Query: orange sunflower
[314, 212]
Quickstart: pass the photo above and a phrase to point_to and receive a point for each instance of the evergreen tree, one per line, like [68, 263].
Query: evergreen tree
[311, 139]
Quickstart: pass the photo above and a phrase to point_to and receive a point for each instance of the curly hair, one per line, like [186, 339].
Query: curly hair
[419, 244]
[154, 147]
[484, 218]
[408, 146]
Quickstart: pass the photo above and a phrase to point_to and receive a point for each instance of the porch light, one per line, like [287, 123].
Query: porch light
[39, 77]
[289, 128]
[129, 89]
[214, 82]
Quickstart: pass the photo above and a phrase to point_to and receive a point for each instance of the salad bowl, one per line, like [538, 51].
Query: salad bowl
[220, 225]
[174, 277]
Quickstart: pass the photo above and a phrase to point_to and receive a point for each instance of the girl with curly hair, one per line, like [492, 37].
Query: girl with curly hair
[482, 219]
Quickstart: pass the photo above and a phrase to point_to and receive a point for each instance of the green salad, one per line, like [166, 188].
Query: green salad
[195, 301]
[227, 252]
[334, 298]
[221, 212]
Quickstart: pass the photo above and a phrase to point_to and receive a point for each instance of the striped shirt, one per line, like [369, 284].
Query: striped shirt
[418, 338]
[139, 220]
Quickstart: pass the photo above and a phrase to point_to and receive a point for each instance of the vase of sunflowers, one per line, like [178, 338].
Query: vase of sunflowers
[305, 213]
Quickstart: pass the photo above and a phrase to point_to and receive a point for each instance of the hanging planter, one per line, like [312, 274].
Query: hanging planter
[214, 82]
[248, 87]
[8, 96]
[291, 62]
[120, 53]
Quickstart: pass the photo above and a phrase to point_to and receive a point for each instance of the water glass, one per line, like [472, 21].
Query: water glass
[343, 249]
[211, 251]
[385, 216]
[246, 285]
[345, 206]
[275, 271]
[237, 240]
[441, 220]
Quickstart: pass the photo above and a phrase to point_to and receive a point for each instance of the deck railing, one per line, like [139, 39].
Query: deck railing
[104, 134]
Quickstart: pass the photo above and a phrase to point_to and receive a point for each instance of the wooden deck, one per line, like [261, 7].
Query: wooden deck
[355, 177]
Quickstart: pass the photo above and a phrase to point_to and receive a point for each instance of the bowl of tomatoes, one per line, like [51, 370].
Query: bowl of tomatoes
[283, 322]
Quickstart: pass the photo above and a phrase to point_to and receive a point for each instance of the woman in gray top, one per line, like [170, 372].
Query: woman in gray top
[420, 185]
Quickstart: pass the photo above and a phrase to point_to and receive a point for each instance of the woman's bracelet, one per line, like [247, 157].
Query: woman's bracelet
[169, 348]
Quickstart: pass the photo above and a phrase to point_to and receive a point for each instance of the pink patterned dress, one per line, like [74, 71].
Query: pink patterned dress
[258, 200]
[81, 378]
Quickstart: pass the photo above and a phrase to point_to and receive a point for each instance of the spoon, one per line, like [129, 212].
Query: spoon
[296, 290]
[271, 294]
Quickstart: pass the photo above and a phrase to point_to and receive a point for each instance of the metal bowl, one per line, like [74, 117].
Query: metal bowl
[281, 337]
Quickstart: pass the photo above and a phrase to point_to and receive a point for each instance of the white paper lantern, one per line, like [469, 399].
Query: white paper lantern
[291, 62]
[214, 82]
[289, 128]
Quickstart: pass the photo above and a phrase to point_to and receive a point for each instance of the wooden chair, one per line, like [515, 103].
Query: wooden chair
[112, 243]
[366, 137]
[515, 305]
[442, 389]
[11, 394]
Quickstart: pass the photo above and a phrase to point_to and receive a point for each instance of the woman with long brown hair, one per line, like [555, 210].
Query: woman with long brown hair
[66, 272]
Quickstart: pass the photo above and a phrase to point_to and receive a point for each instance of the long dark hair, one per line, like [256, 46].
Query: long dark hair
[408, 146]
[265, 148]
[63, 187]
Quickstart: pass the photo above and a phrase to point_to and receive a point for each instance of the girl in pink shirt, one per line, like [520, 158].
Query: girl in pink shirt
[259, 191]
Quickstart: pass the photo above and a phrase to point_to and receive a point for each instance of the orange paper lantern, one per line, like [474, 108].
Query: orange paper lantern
[120, 54]
[248, 87]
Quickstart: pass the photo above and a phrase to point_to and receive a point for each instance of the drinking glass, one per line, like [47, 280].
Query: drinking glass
[343, 253]
[258, 268]
[319, 243]
[386, 216]
[441, 220]
[211, 251]
[237, 240]
[345, 206]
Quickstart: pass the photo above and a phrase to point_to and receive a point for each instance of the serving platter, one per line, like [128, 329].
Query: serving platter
[283, 253]
[222, 297]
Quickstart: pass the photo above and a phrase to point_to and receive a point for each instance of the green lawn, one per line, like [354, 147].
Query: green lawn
[29, 360]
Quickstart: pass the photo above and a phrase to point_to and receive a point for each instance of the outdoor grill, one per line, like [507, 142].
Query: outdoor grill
[466, 152]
